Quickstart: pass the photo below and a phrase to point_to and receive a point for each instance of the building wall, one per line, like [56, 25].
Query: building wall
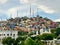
[8, 33]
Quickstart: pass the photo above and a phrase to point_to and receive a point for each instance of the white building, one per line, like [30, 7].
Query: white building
[8, 33]
[42, 31]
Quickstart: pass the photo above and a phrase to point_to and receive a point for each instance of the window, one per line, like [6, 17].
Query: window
[0, 34]
[4, 34]
[10, 34]
[13, 35]
[7, 34]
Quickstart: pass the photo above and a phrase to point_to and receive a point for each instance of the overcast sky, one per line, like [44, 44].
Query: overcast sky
[46, 8]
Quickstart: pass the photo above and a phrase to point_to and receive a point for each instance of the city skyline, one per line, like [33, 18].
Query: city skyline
[46, 8]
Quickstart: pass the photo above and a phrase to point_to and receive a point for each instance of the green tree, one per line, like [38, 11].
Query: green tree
[38, 40]
[19, 40]
[4, 41]
[57, 31]
[29, 41]
[21, 43]
[53, 30]
[47, 36]
[38, 37]
[8, 41]
[20, 33]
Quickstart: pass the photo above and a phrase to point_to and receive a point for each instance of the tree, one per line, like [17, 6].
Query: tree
[8, 41]
[38, 37]
[21, 43]
[20, 33]
[53, 30]
[4, 41]
[38, 42]
[57, 31]
[47, 36]
[19, 40]
[29, 41]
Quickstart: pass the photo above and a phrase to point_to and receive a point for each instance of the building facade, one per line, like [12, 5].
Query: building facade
[8, 33]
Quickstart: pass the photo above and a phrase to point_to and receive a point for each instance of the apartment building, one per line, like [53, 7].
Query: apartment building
[8, 33]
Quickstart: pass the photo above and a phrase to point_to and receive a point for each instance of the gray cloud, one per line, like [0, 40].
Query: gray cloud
[53, 4]
[46, 6]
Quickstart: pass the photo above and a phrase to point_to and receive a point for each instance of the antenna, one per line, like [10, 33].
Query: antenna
[37, 11]
[30, 9]
[33, 12]
[1, 19]
[10, 15]
[26, 13]
[6, 18]
[17, 13]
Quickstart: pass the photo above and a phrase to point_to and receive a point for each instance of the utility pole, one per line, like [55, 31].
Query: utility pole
[37, 11]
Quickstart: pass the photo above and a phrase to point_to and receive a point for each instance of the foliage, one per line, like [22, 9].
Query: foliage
[8, 41]
[38, 42]
[53, 30]
[20, 33]
[38, 37]
[57, 31]
[21, 43]
[17, 40]
[20, 40]
[47, 36]
[4, 41]
[24, 18]
[29, 41]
